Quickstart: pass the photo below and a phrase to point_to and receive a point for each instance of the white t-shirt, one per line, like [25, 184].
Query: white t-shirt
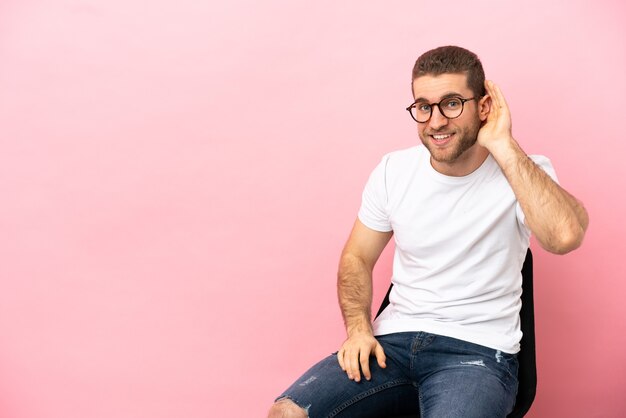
[460, 246]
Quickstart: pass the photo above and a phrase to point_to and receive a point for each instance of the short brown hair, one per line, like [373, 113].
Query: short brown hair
[452, 60]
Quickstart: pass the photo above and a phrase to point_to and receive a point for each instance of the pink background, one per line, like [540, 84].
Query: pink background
[178, 179]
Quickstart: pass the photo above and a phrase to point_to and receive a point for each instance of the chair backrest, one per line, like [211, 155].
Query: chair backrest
[527, 373]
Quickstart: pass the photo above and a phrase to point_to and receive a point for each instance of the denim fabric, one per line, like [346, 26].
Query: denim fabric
[437, 376]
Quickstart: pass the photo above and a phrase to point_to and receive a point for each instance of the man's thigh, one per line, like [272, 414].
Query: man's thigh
[440, 376]
[460, 379]
[325, 391]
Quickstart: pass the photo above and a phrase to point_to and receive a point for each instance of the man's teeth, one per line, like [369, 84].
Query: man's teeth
[440, 137]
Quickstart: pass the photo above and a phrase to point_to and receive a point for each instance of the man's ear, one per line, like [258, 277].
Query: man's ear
[484, 106]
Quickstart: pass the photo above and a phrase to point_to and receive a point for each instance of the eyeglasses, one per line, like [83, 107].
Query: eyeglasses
[451, 108]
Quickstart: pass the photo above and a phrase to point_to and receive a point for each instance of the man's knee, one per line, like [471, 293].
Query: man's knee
[286, 408]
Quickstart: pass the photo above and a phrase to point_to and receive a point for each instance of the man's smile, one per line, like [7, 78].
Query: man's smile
[441, 139]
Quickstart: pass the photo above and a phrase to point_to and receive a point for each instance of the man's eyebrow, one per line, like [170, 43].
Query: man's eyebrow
[445, 96]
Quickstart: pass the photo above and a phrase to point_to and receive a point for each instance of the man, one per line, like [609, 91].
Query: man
[461, 209]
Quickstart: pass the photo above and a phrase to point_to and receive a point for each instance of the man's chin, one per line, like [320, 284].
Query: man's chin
[445, 159]
[450, 153]
[441, 155]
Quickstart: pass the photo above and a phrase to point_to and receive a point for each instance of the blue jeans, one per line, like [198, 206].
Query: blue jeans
[433, 375]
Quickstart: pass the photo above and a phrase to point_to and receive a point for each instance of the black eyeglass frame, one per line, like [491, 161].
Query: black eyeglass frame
[432, 105]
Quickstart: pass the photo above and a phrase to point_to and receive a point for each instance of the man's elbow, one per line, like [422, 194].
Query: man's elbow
[566, 240]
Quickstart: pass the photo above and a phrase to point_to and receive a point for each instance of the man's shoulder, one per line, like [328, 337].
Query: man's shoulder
[546, 165]
[539, 159]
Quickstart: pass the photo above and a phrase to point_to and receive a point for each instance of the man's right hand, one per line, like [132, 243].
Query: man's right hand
[354, 355]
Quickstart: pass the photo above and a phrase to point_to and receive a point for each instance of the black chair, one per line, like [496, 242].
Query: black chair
[527, 373]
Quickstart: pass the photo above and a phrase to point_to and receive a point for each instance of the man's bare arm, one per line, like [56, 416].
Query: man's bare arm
[354, 289]
[554, 216]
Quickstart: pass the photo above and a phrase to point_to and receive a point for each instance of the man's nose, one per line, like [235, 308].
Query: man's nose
[437, 119]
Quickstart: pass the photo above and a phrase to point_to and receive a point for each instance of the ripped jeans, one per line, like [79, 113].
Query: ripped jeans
[426, 374]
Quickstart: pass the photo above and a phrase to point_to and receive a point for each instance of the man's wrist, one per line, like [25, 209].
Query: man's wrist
[504, 150]
[361, 327]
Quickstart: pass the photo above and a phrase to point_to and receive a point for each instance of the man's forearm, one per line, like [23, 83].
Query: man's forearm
[354, 289]
[556, 218]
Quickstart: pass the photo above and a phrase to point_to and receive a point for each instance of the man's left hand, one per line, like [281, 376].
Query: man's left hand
[497, 128]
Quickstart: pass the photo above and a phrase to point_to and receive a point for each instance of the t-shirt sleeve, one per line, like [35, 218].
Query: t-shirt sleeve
[373, 211]
[546, 165]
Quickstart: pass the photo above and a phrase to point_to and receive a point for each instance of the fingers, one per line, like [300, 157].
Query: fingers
[354, 357]
[340, 359]
[496, 95]
[494, 108]
[496, 128]
[489, 86]
[353, 364]
[380, 356]
[350, 361]
[365, 365]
